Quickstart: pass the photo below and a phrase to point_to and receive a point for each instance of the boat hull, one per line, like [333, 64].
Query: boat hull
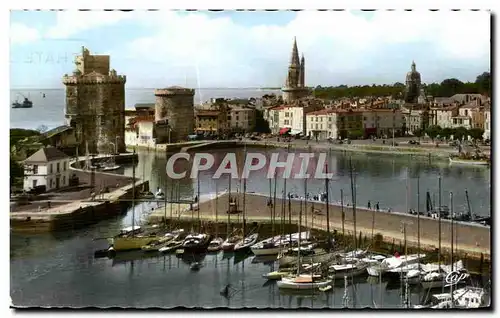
[266, 251]
[469, 162]
[287, 260]
[197, 248]
[131, 243]
[285, 284]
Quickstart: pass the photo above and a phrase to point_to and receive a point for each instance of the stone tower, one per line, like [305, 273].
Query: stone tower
[174, 114]
[295, 82]
[95, 104]
[413, 85]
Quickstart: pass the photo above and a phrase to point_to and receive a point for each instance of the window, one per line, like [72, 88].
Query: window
[63, 180]
[57, 167]
[34, 183]
[50, 169]
[316, 126]
[51, 183]
[64, 166]
[35, 169]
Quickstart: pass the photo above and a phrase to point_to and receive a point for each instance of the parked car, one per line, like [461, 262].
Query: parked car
[413, 142]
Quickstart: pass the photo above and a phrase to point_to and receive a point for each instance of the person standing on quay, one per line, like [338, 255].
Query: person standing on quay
[377, 206]
[369, 205]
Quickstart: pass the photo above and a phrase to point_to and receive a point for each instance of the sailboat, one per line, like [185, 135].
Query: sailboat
[133, 237]
[303, 281]
[216, 244]
[231, 238]
[247, 241]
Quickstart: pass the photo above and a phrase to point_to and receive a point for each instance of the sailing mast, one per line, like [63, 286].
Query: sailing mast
[327, 212]
[133, 194]
[439, 222]
[244, 196]
[171, 205]
[229, 209]
[198, 201]
[342, 211]
[452, 269]
[353, 194]
[216, 208]
[273, 216]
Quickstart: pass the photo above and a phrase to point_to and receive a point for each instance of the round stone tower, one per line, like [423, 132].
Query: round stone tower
[174, 114]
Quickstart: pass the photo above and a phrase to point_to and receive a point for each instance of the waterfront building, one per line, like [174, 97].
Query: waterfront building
[174, 114]
[271, 115]
[95, 104]
[294, 87]
[209, 120]
[382, 122]
[416, 117]
[47, 167]
[487, 122]
[335, 124]
[141, 131]
[242, 118]
[443, 116]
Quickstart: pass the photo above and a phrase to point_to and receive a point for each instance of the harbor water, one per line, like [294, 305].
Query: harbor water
[59, 269]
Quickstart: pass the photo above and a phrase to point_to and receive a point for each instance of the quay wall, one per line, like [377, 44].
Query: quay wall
[80, 212]
[475, 240]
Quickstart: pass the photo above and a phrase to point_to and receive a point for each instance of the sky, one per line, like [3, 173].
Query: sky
[250, 49]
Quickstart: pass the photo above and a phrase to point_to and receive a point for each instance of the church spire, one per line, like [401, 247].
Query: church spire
[413, 66]
[302, 72]
[294, 59]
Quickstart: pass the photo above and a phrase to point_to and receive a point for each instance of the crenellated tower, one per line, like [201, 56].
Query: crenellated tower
[294, 87]
[95, 104]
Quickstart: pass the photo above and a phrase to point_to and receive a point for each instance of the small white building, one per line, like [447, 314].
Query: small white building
[47, 167]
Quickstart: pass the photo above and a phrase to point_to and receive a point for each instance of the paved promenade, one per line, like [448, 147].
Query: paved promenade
[473, 239]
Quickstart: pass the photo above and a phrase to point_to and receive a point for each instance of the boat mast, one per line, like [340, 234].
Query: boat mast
[329, 244]
[171, 205]
[439, 222]
[353, 194]
[133, 194]
[164, 194]
[452, 267]
[216, 207]
[469, 211]
[273, 214]
[229, 209]
[343, 213]
[244, 195]
[198, 201]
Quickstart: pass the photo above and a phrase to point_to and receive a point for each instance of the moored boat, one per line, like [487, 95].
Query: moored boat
[244, 245]
[215, 245]
[196, 243]
[304, 282]
[350, 270]
[470, 161]
[394, 262]
[133, 238]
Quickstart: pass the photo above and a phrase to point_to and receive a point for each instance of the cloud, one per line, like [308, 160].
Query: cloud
[22, 34]
[72, 22]
[334, 43]
[211, 50]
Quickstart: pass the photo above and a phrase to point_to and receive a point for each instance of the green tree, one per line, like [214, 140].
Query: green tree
[433, 132]
[476, 133]
[460, 133]
[261, 125]
[16, 170]
[355, 134]
[483, 83]
[446, 132]
[418, 133]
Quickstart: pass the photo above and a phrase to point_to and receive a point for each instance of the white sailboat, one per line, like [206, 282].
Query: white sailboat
[394, 262]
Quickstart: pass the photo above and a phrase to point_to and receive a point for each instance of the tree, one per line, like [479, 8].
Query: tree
[433, 132]
[16, 170]
[460, 133]
[355, 134]
[42, 128]
[261, 125]
[446, 132]
[476, 133]
[483, 83]
[418, 133]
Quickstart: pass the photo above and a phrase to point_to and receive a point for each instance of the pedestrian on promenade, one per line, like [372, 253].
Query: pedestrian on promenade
[377, 206]
[48, 204]
[369, 205]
